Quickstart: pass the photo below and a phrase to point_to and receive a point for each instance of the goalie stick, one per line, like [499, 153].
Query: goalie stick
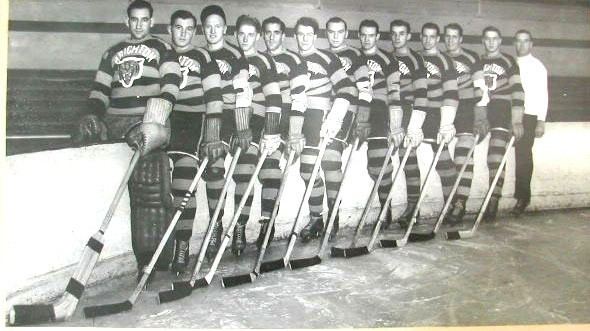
[463, 234]
[109, 309]
[66, 305]
[231, 281]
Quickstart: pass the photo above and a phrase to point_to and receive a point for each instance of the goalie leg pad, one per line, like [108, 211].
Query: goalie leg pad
[151, 208]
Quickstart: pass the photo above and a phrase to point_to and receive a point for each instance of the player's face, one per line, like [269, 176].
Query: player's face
[273, 36]
[368, 36]
[139, 23]
[429, 39]
[492, 41]
[523, 44]
[453, 40]
[305, 37]
[247, 37]
[337, 34]
[182, 32]
[399, 36]
[214, 29]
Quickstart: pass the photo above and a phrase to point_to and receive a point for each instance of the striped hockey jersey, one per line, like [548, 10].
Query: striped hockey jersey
[469, 68]
[413, 79]
[384, 76]
[353, 62]
[232, 64]
[263, 81]
[327, 78]
[502, 77]
[441, 79]
[200, 86]
[131, 72]
[293, 81]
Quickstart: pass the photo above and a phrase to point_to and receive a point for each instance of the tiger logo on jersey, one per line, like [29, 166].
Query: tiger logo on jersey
[253, 71]
[129, 69]
[187, 65]
[491, 72]
[224, 68]
[315, 69]
[346, 63]
[282, 68]
[432, 70]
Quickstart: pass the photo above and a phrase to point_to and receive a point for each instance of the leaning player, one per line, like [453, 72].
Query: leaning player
[505, 108]
[264, 122]
[386, 111]
[293, 80]
[237, 98]
[137, 82]
[330, 93]
[414, 100]
[199, 97]
[443, 99]
[352, 60]
[470, 118]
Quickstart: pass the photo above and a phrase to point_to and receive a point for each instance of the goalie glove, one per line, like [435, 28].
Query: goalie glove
[414, 134]
[296, 141]
[243, 135]
[396, 132]
[363, 127]
[154, 130]
[333, 121]
[90, 129]
[481, 125]
[212, 146]
[446, 131]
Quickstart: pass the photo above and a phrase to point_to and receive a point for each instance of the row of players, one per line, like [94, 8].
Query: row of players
[224, 100]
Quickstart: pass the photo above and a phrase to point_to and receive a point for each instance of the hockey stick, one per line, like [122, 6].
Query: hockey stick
[455, 235]
[282, 263]
[183, 289]
[388, 243]
[414, 237]
[231, 281]
[310, 261]
[115, 308]
[341, 252]
[363, 250]
[65, 307]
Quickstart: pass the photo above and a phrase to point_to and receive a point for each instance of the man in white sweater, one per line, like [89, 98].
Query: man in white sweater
[533, 75]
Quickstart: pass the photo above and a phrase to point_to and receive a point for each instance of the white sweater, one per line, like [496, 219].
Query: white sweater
[533, 75]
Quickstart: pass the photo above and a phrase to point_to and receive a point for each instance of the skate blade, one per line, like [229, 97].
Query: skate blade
[304, 263]
[109, 309]
[356, 251]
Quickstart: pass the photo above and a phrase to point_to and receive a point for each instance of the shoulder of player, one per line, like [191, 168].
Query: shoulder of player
[158, 42]
[233, 49]
[416, 58]
[472, 55]
[292, 56]
[510, 60]
[327, 56]
[261, 60]
[447, 61]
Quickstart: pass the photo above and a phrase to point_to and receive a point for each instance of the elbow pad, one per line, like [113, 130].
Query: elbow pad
[365, 92]
[416, 120]
[299, 102]
[447, 115]
[243, 92]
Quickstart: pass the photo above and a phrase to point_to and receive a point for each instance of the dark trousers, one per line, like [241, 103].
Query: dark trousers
[524, 159]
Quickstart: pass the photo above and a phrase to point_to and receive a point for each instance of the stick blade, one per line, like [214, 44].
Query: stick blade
[110, 309]
[179, 290]
[232, 281]
[419, 237]
[388, 243]
[31, 314]
[452, 235]
[200, 283]
[304, 263]
[356, 251]
[337, 252]
[272, 265]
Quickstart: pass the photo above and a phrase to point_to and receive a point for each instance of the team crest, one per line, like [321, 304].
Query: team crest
[491, 72]
[432, 70]
[346, 63]
[491, 80]
[187, 65]
[374, 67]
[282, 69]
[253, 71]
[224, 67]
[129, 69]
[315, 69]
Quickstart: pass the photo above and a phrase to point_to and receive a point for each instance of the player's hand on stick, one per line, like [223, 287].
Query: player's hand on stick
[270, 143]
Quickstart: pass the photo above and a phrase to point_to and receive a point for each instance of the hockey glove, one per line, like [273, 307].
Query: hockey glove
[481, 125]
[414, 134]
[243, 135]
[90, 129]
[296, 141]
[446, 131]
[155, 132]
[363, 127]
[213, 147]
[270, 143]
[396, 132]
[333, 121]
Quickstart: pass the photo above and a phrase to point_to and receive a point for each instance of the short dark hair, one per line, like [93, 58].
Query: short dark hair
[212, 10]
[399, 23]
[432, 26]
[524, 31]
[274, 20]
[182, 14]
[490, 28]
[336, 19]
[454, 26]
[248, 20]
[140, 4]
[369, 24]
[308, 21]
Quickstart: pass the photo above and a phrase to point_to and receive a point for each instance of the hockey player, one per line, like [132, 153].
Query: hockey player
[237, 98]
[264, 122]
[354, 64]
[199, 96]
[470, 118]
[329, 96]
[293, 80]
[443, 99]
[505, 109]
[137, 82]
[385, 112]
[413, 97]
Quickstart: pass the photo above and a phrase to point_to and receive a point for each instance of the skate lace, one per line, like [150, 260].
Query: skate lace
[182, 250]
[239, 233]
